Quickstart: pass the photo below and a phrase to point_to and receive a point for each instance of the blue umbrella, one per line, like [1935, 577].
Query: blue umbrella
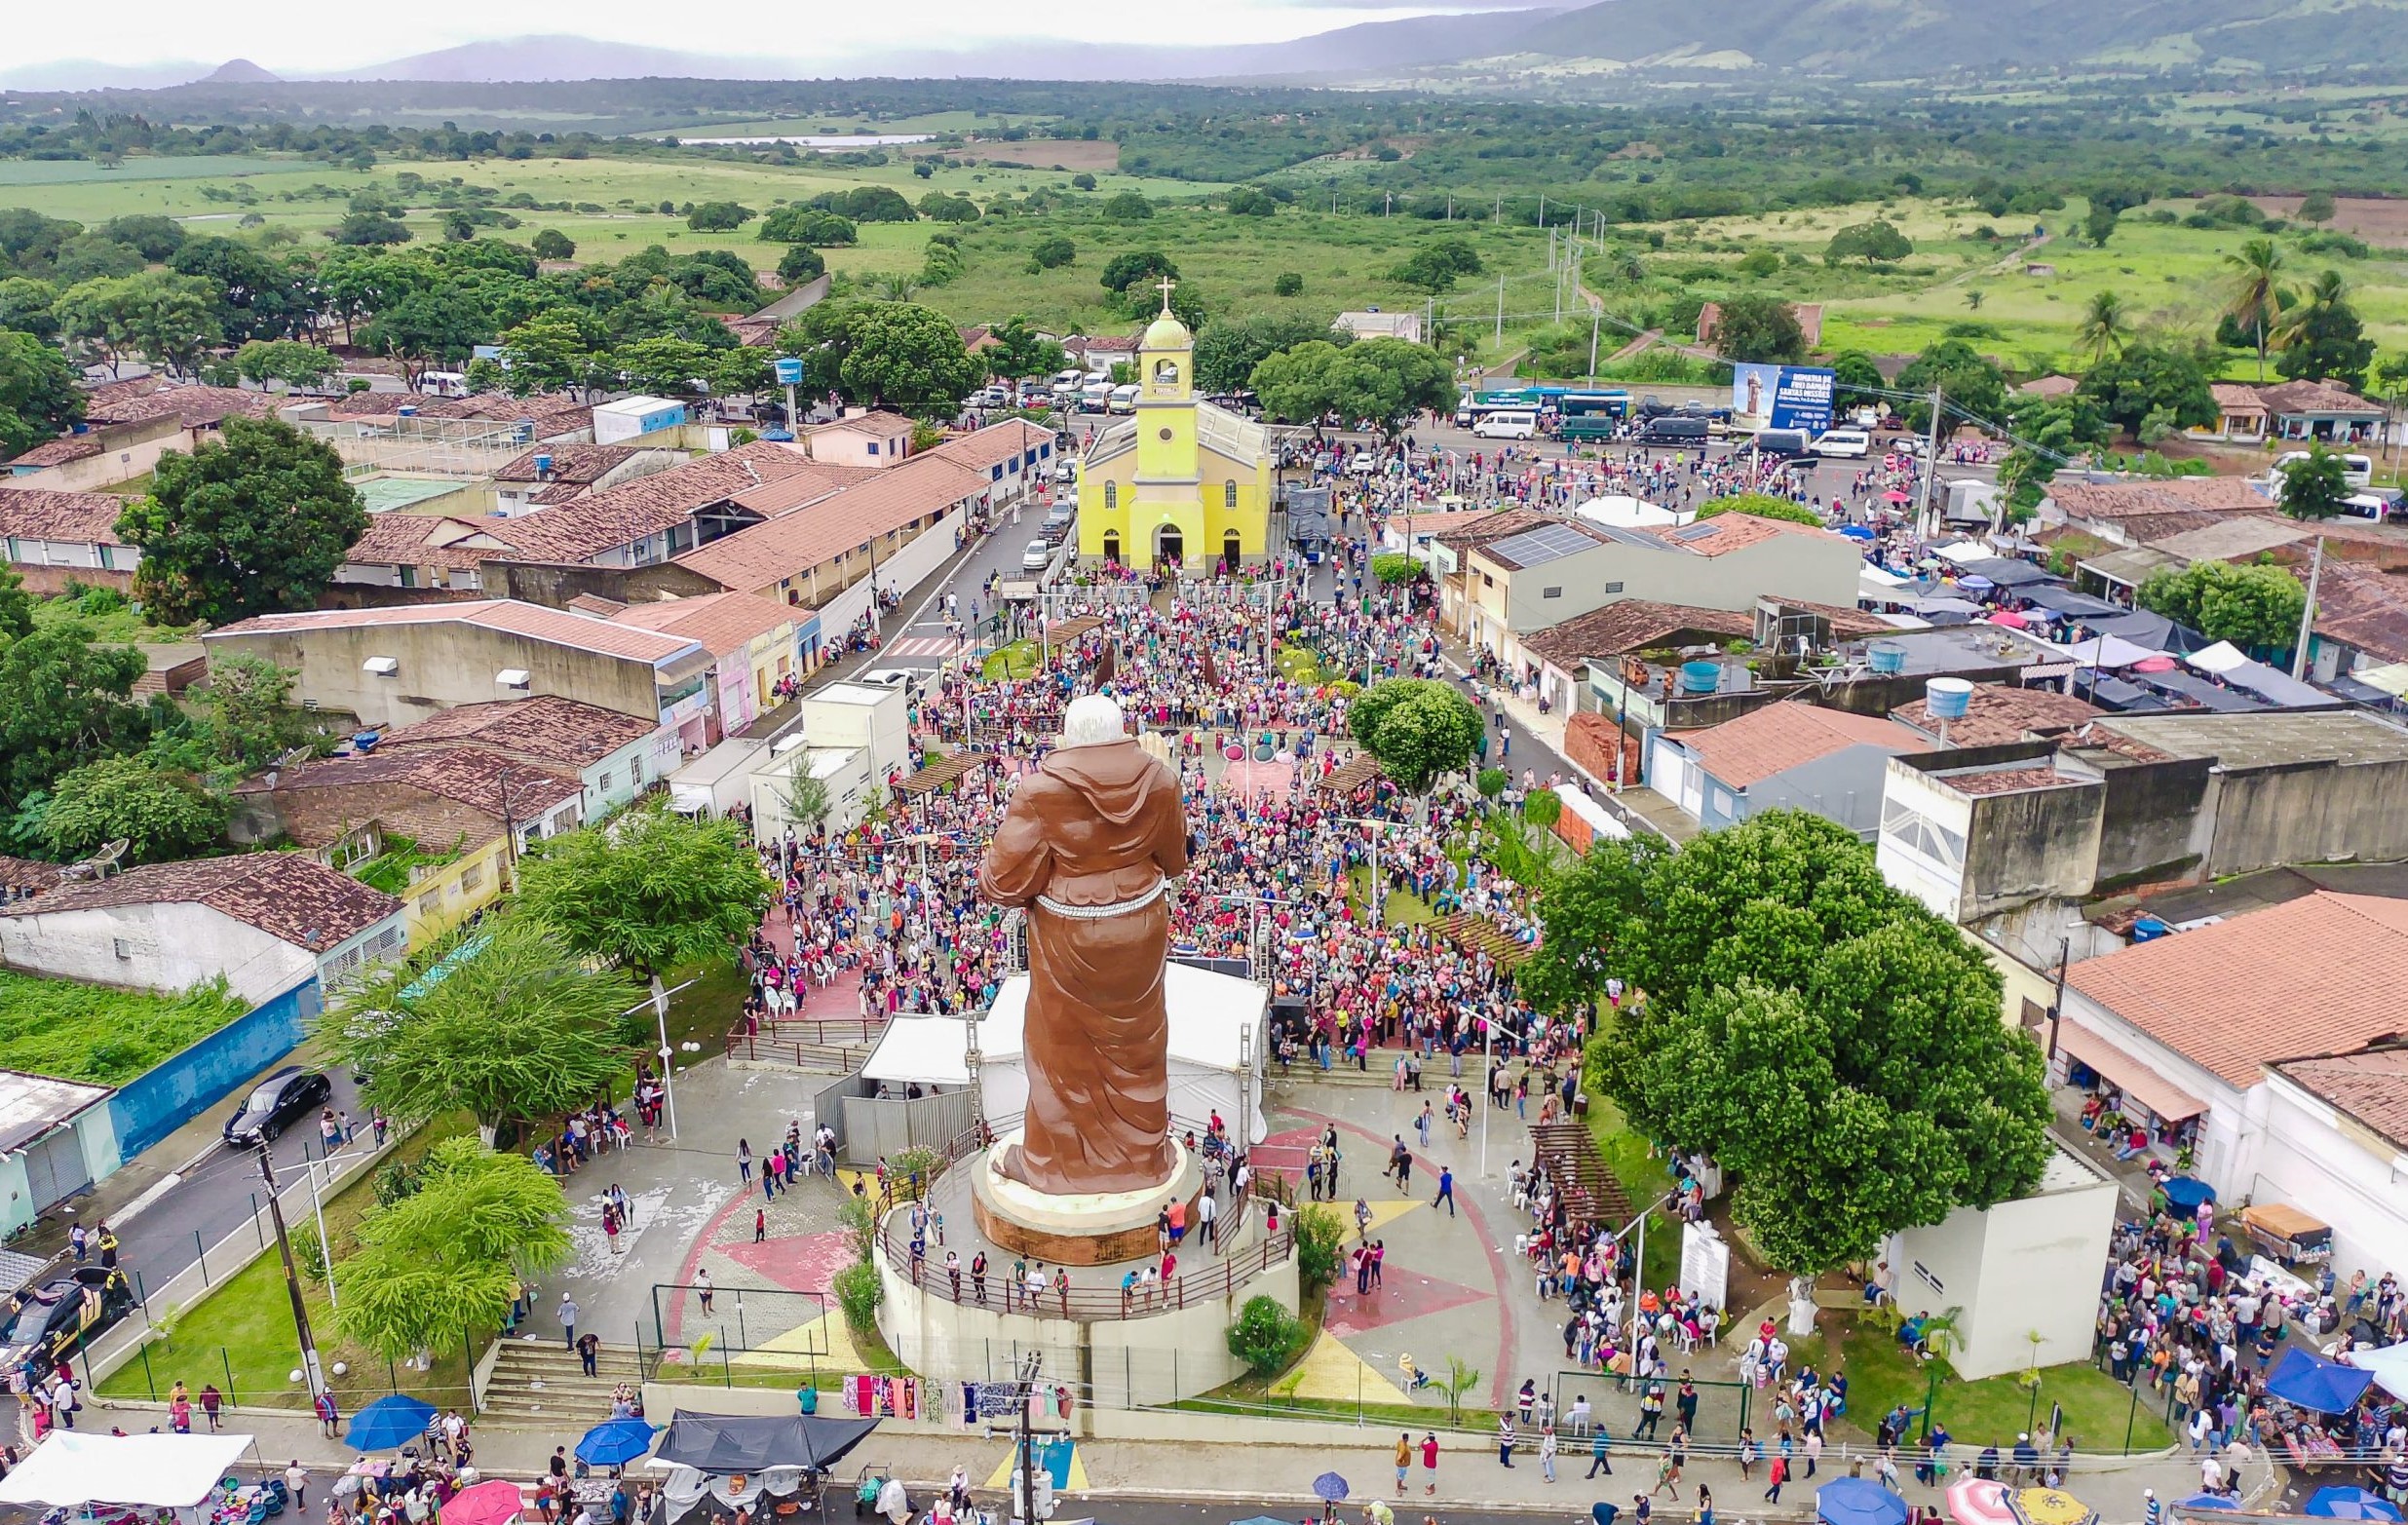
[2184, 1192]
[2352, 1503]
[615, 1443]
[1329, 1487]
[2308, 1380]
[1858, 1501]
[2208, 1501]
[389, 1424]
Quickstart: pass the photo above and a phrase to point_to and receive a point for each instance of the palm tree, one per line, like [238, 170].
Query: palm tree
[2104, 330]
[1972, 299]
[2254, 298]
[2326, 294]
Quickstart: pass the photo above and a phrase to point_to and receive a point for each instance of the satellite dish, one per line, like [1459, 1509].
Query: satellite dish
[295, 758]
[104, 862]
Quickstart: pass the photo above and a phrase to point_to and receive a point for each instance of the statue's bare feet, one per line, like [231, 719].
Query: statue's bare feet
[1011, 1167]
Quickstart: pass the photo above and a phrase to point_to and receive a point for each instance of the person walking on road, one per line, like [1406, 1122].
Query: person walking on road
[1600, 1453]
[568, 1321]
[1404, 1460]
[1447, 1191]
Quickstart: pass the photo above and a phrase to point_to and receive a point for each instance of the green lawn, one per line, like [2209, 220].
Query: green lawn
[100, 1034]
[241, 1335]
[2098, 1409]
[118, 625]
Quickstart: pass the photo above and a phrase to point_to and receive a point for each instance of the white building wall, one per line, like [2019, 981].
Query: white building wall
[2022, 1268]
[2332, 1168]
[168, 946]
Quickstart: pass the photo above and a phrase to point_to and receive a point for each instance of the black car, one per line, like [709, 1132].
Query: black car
[274, 1103]
[48, 1321]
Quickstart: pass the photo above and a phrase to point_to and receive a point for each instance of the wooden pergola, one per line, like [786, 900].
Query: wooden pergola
[944, 771]
[1348, 776]
[1064, 631]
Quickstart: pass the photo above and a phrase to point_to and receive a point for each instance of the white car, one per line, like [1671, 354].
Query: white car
[1124, 398]
[1506, 424]
[1851, 443]
[1037, 557]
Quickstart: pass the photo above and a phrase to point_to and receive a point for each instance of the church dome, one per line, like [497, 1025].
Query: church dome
[1166, 332]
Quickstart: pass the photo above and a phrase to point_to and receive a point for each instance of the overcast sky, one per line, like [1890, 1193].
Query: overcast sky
[295, 37]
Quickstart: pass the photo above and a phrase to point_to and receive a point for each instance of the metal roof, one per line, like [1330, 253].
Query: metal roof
[1538, 546]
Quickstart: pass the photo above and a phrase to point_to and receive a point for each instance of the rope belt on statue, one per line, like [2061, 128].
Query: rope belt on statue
[1095, 913]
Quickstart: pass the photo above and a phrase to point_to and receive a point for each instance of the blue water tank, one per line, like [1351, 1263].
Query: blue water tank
[543, 466]
[1701, 677]
[1888, 658]
[2148, 928]
[407, 410]
[789, 371]
[364, 741]
[1948, 699]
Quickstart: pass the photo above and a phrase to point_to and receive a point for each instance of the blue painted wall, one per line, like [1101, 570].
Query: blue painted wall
[180, 1087]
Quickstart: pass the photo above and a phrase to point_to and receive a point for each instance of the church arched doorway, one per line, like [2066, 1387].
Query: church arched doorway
[1233, 549]
[1112, 547]
[1169, 546]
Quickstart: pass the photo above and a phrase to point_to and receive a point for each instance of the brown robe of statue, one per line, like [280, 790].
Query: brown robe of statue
[1101, 825]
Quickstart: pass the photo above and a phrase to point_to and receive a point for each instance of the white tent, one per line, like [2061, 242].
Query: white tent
[2108, 651]
[70, 1470]
[1614, 510]
[1964, 553]
[1217, 1034]
[926, 1050]
[2389, 1365]
[2221, 658]
[1871, 576]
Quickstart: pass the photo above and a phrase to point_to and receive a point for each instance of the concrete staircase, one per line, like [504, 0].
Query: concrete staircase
[538, 1384]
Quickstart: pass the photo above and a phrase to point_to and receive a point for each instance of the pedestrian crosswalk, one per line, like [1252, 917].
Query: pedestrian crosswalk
[921, 646]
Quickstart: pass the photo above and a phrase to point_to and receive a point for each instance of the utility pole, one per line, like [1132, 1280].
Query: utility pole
[1500, 307]
[2308, 615]
[1023, 1446]
[318, 1204]
[1542, 214]
[1595, 316]
[1930, 466]
[293, 1280]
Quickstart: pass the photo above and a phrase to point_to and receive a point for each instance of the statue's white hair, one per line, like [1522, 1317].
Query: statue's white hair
[1092, 719]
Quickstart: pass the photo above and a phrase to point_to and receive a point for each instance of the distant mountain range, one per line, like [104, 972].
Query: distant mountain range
[1847, 39]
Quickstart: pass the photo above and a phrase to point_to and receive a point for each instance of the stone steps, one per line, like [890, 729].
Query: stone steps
[540, 1382]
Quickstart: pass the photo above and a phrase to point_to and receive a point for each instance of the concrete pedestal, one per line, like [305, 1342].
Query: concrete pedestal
[1096, 1230]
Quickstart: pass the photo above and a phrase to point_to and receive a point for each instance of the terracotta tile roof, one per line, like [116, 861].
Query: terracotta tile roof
[724, 623]
[551, 412]
[285, 895]
[766, 553]
[2313, 976]
[595, 604]
[1725, 533]
[59, 452]
[27, 874]
[83, 518]
[800, 488]
[430, 540]
[599, 521]
[2234, 536]
[544, 726]
[2050, 387]
[2370, 1086]
[1998, 713]
[876, 421]
[195, 407]
[2178, 495]
[2235, 399]
[584, 464]
[1488, 528]
[1777, 738]
[469, 776]
[533, 621]
[2316, 396]
[1631, 624]
[2004, 780]
[983, 449]
[2356, 606]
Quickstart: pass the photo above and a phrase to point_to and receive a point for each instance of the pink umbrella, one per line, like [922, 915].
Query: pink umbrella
[2153, 665]
[1971, 1501]
[496, 1501]
[2010, 617]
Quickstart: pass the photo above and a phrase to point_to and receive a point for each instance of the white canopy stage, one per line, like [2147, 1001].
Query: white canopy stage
[1217, 1024]
[71, 1470]
[2221, 658]
[2389, 1365]
[1617, 511]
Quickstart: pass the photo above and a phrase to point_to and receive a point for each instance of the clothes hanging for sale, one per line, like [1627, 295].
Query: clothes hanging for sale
[861, 1394]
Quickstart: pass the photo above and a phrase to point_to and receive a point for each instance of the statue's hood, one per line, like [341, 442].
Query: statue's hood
[1112, 776]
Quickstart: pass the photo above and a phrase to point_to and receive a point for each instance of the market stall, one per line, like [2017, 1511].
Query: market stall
[112, 1477]
[769, 1467]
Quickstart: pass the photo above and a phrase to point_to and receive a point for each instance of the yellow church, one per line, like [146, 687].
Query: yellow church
[1181, 483]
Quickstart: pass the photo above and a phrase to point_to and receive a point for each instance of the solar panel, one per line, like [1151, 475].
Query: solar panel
[1549, 542]
[1697, 531]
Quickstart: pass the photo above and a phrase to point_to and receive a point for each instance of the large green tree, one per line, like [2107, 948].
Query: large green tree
[441, 1265]
[2321, 337]
[654, 890]
[520, 1026]
[1388, 381]
[1760, 328]
[2248, 605]
[2253, 294]
[162, 812]
[38, 394]
[1229, 349]
[1828, 1040]
[1876, 242]
[1968, 381]
[549, 352]
[156, 315]
[910, 359]
[255, 520]
[1763, 504]
[64, 700]
[1417, 728]
[2150, 379]
[1019, 350]
[2317, 486]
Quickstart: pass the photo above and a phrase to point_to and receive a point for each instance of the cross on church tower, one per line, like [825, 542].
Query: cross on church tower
[1165, 286]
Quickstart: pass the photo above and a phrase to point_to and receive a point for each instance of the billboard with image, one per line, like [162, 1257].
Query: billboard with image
[1784, 397]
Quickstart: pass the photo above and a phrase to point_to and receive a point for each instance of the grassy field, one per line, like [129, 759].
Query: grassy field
[241, 1335]
[98, 1034]
[2098, 1409]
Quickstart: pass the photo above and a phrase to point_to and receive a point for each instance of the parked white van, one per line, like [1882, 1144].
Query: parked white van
[1124, 399]
[2358, 470]
[1851, 443]
[1094, 395]
[1508, 424]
